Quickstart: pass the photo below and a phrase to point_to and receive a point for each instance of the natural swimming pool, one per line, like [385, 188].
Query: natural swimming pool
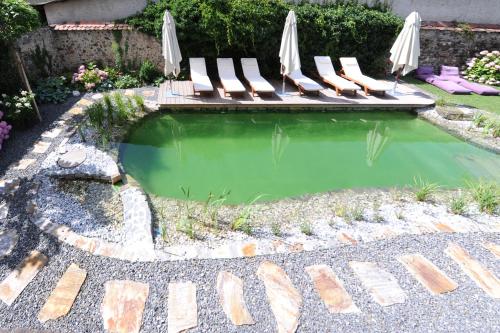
[290, 154]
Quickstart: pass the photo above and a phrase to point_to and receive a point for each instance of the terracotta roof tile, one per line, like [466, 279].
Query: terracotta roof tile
[91, 26]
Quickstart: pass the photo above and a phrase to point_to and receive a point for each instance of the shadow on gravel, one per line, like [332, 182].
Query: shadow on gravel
[29, 235]
[21, 141]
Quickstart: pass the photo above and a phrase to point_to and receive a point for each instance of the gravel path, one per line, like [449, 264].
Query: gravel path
[466, 309]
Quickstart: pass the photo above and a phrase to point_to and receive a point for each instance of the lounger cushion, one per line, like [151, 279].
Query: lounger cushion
[449, 86]
[425, 70]
[198, 70]
[259, 84]
[202, 83]
[232, 85]
[252, 75]
[340, 82]
[370, 83]
[227, 75]
[306, 83]
[449, 71]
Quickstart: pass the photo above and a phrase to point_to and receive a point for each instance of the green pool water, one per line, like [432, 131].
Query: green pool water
[291, 154]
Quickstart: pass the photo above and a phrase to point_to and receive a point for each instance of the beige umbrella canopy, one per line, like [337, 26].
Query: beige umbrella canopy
[289, 49]
[170, 47]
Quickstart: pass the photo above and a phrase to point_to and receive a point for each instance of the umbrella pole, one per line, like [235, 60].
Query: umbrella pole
[397, 79]
[283, 88]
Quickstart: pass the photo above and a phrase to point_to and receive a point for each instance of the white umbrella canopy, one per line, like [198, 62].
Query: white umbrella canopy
[289, 49]
[406, 49]
[170, 46]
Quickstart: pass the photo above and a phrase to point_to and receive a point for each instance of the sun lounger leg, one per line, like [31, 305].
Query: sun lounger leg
[366, 91]
[337, 91]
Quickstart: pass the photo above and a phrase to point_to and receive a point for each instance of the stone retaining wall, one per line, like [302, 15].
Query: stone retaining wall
[69, 49]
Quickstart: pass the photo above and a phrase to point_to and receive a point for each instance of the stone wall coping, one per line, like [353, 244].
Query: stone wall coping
[454, 26]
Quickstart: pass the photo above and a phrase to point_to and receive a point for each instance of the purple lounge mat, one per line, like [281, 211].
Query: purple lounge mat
[452, 74]
[426, 74]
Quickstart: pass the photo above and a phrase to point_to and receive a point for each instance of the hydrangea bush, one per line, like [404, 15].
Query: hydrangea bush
[18, 109]
[484, 68]
[4, 130]
[91, 78]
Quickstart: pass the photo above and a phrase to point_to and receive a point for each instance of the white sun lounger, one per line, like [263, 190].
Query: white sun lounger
[228, 78]
[327, 73]
[201, 81]
[252, 75]
[352, 72]
[303, 83]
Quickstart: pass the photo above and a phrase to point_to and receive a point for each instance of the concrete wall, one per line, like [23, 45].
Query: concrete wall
[92, 10]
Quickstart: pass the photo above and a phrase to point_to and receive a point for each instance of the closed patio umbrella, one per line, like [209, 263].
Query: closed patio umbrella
[406, 49]
[289, 49]
[170, 47]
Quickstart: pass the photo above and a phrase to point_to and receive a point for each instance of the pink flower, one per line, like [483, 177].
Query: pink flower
[485, 52]
[81, 68]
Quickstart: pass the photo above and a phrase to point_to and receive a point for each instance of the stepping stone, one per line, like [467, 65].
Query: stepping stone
[493, 248]
[4, 210]
[331, 290]
[484, 278]
[123, 305]
[41, 147]
[230, 290]
[346, 238]
[445, 227]
[129, 92]
[380, 284]
[97, 96]
[182, 307]
[64, 294]
[8, 240]
[148, 93]
[24, 164]
[72, 158]
[425, 272]
[75, 111]
[21, 276]
[84, 102]
[284, 299]
[52, 134]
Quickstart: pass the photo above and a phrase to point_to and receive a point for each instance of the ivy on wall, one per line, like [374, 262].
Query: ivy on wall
[253, 28]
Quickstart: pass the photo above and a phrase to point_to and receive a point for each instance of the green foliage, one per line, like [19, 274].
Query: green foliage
[127, 81]
[242, 221]
[356, 213]
[484, 68]
[213, 205]
[306, 228]
[458, 204]
[479, 119]
[16, 18]
[52, 90]
[492, 125]
[486, 195]
[276, 229]
[42, 61]
[148, 72]
[18, 109]
[423, 189]
[249, 28]
[441, 102]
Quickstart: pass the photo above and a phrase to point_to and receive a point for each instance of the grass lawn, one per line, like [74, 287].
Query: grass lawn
[487, 103]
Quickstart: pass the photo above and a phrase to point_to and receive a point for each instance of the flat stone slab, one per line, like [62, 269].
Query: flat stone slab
[52, 134]
[84, 102]
[8, 240]
[75, 111]
[41, 147]
[24, 164]
[21, 276]
[129, 92]
[380, 284]
[137, 223]
[64, 294]
[123, 305]
[483, 277]
[331, 290]
[428, 274]
[493, 248]
[284, 299]
[182, 307]
[97, 166]
[72, 158]
[230, 290]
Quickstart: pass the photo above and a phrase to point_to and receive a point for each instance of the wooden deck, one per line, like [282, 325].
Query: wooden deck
[183, 97]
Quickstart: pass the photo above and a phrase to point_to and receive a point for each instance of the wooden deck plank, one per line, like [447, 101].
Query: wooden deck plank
[408, 98]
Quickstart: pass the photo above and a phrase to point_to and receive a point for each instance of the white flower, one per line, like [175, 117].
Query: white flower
[24, 93]
[485, 52]
[4, 96]
[18, 105]
[7, 104]
[27, 105]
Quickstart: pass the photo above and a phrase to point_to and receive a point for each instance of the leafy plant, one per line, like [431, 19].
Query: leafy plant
[52, 90]
[340, 210]
[18, 109]
[306, 228]
[213, 205]
[479, 119]
[276, 229]
[148, 72]
[17, 17]
[400, 214]
[441, 102]
[486, 195]
[356, 213]
[484, 67]
[139, 101]
[186, 222]
[492, 125]
[423, 189]
[458, 204]
[163, 231]
[127, 81]
[242, 221]
[377, 217]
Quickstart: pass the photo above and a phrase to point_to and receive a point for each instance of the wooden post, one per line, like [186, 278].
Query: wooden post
[24, 79]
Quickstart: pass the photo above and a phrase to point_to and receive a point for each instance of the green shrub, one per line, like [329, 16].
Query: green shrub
[18, 109]
[148, 72]
[306, 228]
[276, 229]
[127, 81]
[486, 195]
[423, 189]
[484, 68]
[479, 119]
[240, 28]
[52, 90]
[458, 204]
[17, 17]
